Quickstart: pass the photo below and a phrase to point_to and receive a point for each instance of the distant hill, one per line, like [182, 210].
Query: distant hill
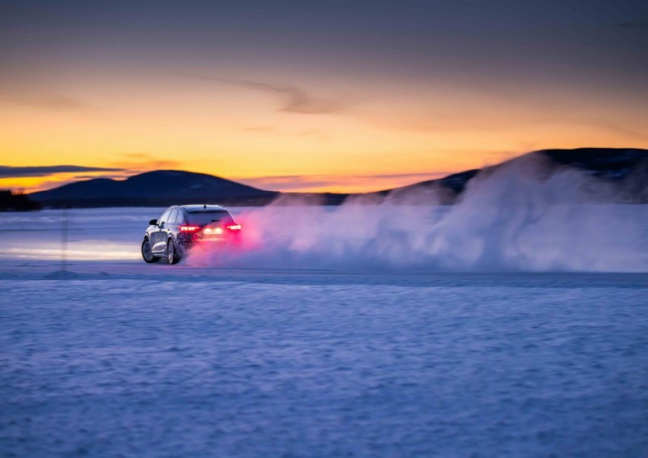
[445, 190]
[610, 163]
[160, 188]
[625, 167]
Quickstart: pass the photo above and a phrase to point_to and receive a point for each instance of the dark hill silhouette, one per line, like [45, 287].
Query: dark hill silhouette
[159, 188]
[626, 167]
[612, 163]
[455, 183]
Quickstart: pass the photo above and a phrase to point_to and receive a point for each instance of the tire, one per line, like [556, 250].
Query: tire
[147, 254]
[173, 257]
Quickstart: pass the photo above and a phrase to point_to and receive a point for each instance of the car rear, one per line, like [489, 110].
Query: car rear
[208, 225]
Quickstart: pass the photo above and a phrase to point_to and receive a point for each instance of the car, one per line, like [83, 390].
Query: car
[183, 226]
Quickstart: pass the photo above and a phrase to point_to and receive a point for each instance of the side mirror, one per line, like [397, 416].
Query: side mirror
[153, 222]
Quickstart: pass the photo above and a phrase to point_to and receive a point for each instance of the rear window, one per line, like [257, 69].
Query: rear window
[207, 217]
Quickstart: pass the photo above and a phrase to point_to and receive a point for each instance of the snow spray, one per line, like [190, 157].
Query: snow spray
[523, 215]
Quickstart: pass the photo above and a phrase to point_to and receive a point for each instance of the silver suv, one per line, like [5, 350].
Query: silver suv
[182, 226]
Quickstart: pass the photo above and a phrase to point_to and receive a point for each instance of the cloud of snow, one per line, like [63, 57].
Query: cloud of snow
[524, 215]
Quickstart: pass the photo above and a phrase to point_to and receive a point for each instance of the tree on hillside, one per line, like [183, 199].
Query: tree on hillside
[13, 202]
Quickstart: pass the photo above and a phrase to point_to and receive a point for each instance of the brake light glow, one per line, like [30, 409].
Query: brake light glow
[189, 228]
[234, 227]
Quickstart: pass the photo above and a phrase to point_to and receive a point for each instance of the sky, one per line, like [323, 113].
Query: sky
[346, 96]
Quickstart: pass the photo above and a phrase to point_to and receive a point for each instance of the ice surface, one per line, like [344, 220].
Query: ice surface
[322, 364]
[297, 349]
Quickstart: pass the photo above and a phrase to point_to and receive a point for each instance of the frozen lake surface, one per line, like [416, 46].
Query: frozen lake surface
[299, 352]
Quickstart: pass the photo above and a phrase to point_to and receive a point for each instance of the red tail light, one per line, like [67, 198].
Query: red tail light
[189, 228]
[234, 227]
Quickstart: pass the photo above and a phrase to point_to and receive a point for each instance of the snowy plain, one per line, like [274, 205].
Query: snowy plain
[350, 331]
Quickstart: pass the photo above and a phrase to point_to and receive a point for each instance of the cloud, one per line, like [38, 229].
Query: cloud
[292, 99]
[44, 100]
[288, 182]
[15, 172]
[56, 181]
[59, 175]
[416, 176]
[135, 162]
[143, 162]
[317, 182]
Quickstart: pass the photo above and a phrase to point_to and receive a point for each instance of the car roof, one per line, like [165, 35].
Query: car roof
[202, 207]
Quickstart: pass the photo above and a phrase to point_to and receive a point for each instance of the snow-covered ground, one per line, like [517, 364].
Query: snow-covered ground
[353, 331]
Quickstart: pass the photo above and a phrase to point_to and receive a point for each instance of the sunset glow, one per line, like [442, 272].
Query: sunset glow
[328, 98]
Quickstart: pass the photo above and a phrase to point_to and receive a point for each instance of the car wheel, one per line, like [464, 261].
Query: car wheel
[147, 254]
[172, 254]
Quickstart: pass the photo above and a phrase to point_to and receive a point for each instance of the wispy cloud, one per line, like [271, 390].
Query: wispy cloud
[48, 177]
[39, 99]
[292, 99]
[143, 162]
[55, 181]
[16, 172]
[354, 183]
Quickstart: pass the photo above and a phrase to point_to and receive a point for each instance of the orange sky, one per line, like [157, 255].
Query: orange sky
[381, 136]
[309, 115]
